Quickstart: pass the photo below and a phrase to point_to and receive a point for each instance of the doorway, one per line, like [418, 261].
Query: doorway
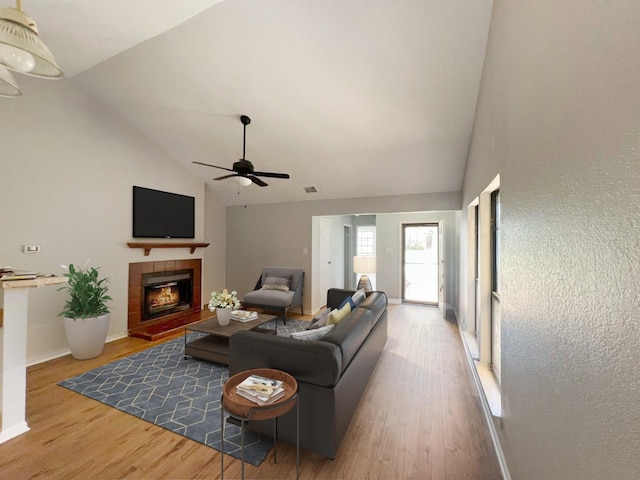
[348, 258]
[420, 272]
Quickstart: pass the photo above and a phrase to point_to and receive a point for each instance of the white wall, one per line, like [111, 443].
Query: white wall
[277, 234]
[215, 255]
[67, 169]
[558, 119]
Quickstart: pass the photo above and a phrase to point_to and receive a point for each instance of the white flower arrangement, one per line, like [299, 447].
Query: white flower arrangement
[224, 299]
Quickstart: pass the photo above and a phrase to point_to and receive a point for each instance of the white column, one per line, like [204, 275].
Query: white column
[14, 363]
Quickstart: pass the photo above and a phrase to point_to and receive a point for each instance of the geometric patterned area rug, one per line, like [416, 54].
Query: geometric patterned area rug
[182, 395]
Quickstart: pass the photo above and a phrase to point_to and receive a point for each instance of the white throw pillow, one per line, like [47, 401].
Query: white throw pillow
[276, 283]
[315, 334]
[359, 296]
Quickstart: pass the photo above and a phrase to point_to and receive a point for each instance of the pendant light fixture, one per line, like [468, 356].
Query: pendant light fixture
[22, 50]
[8, 85]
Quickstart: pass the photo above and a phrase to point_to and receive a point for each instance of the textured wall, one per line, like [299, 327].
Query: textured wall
[559, 118]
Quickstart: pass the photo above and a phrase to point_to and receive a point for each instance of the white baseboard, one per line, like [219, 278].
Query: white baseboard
[14, 431]
[486, 409]
[66, 351]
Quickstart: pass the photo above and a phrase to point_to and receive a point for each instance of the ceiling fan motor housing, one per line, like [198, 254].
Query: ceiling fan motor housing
[243, 167]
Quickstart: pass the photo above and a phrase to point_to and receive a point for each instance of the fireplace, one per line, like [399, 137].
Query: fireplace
[166, 293]
[162, 293]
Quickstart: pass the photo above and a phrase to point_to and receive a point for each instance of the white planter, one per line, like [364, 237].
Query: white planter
[224, 316]
[86, 336]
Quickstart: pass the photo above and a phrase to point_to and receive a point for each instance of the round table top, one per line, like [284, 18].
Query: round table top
[243, 408]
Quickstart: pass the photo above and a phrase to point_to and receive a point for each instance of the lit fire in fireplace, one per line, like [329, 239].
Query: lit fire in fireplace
[166, 293]
[163, 296]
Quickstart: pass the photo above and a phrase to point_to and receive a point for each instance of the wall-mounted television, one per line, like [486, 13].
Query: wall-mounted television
[158, 214]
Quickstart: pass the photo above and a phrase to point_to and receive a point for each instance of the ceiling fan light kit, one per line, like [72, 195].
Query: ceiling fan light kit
[243, 181]
[22, 50]
[243, 171]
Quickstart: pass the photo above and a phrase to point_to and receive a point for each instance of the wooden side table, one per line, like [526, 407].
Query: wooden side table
[244, 410]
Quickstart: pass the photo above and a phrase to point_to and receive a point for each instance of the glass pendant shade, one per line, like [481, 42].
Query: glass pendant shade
[21, 49]
[8, 85]
[243, 181]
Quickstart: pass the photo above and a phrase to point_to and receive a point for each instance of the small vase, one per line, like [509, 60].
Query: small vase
[223, 315]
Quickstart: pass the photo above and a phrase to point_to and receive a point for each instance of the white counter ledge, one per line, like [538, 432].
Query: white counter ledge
[14, 352]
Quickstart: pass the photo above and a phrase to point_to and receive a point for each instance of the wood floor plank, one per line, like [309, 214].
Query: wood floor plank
[419, 418]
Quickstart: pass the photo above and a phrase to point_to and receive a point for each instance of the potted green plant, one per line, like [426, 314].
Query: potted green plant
[86, 315]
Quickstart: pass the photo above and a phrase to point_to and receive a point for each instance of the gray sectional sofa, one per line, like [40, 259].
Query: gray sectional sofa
[332, 372]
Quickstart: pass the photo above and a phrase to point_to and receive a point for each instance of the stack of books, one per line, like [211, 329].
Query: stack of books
[244, 315]
[260, 390]
[10, 274]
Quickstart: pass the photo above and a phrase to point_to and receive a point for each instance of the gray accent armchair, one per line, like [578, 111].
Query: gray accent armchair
[277, 301]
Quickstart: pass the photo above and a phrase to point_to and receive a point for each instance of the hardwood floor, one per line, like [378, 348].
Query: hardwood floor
[419, 418]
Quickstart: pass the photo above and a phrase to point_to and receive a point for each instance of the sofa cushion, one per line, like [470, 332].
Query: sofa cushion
[317, 363]
[315, 334]
[272, 282]
[273, 298]
[376, 302]
[350, 333]
[338, 315]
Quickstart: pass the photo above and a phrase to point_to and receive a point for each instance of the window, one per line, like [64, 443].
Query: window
[495, 241]
[496, 335]
[366, 241]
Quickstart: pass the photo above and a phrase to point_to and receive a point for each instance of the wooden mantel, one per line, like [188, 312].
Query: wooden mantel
[148, 246]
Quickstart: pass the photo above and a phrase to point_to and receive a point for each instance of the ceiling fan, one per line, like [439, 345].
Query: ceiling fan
[244, 168]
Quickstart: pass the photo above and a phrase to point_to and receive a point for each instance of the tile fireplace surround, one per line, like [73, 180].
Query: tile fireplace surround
[137, 271]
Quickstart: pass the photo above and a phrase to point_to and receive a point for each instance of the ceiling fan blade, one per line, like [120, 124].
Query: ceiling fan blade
[257, 181]
[243, 167]
[214, 166]
[271, 174]
[226, 176]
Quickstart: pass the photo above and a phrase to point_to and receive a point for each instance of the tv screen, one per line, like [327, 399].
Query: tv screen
[158, 214]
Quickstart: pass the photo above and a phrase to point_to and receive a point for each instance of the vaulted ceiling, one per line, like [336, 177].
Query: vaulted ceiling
[354, 97]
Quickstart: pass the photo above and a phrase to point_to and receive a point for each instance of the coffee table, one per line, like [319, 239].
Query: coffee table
[215, 345]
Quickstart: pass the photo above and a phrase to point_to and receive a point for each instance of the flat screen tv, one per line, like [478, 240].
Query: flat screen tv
[158, 214]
